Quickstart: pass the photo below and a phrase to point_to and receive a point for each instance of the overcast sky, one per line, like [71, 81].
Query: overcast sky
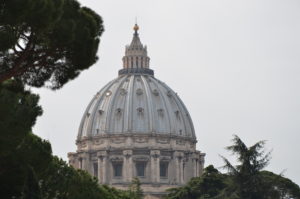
[234, 63]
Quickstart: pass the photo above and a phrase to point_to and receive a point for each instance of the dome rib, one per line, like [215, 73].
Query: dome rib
[149, 102]
[166, 107]
[110, 110]
[186, 115]
[82, 132]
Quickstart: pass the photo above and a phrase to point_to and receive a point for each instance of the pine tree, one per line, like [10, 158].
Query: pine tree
[47, 42]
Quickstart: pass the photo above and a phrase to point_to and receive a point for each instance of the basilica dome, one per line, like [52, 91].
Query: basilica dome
[137, 126]
[136, 103]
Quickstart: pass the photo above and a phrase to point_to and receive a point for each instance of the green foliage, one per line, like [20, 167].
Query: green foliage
[209, 185]
[47, 41]
[135, 190]
[246, 175]
[244, 181]
[18, 112]
[278, 187]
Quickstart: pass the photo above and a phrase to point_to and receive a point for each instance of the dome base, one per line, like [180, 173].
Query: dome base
[159, 161]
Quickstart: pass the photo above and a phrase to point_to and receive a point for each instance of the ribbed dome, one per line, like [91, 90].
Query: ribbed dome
[136, 104]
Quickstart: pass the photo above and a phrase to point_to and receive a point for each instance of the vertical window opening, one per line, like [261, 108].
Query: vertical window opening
[163, 169]
[80, 163]
[95, 166]
[140, 169]
[117, 169]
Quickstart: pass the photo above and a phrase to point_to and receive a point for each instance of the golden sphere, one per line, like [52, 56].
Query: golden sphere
[136, 27]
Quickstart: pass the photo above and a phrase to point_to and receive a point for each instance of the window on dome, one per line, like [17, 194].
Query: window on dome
[117, 169]
[140, 169]
[163, 167]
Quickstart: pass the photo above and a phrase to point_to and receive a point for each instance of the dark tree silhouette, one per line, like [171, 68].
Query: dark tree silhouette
[47, 42]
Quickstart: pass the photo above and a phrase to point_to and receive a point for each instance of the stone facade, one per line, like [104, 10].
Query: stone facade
[136, 126]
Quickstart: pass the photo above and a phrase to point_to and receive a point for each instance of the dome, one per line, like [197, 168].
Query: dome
[137, 126]
[136, 104]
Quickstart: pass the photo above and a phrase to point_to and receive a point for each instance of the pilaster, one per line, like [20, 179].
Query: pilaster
[102, 164]
[155, 165]
[128, 166]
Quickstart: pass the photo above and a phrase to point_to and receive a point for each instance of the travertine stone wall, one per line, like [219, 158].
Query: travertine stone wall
[180, 154]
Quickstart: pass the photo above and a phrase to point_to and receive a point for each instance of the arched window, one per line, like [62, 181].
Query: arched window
[131, 62]
[136, 62]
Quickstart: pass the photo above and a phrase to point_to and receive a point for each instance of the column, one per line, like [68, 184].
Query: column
[104, 170]
[155, 177]
[127, 168]
[181, 171]
[100, 170]
[102, 164]
[179, 167]
[158, 169]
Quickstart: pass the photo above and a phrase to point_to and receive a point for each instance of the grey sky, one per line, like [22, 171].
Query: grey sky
[234, 63]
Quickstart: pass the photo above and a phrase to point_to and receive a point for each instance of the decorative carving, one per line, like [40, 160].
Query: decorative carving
[116, 159]
[180, 142]
[169, 93]
[83, 144]
[155, 92]
[102, 154]
[118, 111]
[155, 153]
[118, 140]
[139, 91]
[180, 131]
[108, 93]
[163, 140]
[165, 158]
[141, 152]
[140, 140]
[100, 112]
[160, 112]
[98, 142]
[123, 92]
[140, 158]
[140, 111]
[177, 113]
[127, 153]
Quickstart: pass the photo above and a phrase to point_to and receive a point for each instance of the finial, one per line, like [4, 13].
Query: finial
[136, 28]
